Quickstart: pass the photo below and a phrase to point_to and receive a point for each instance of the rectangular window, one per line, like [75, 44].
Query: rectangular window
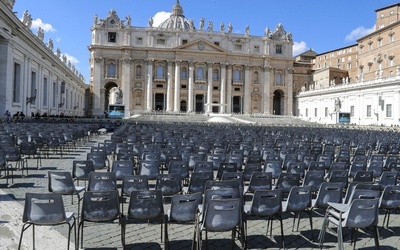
[391, 38]
[349, 65]
[256, 48]
[184, 41]
[216, 43]
[388, 110]
[237, 89]
[326, 112]
[238, 47]
[351, 111]
[17, 83]
[278, 49]
[139, 40]
[369, 111]
[306, 112]
[184, 86]
[215, 87]
[45, 91]
[161, 41]
[315, 112]
[112, 37]
[33, 87]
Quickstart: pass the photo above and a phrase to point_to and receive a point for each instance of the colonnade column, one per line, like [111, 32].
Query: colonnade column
[289, 82]
[177, 86]
[169, 87]
[223, 89]
[149, 89]
[98, 105]
[209, 87]
[229, 90]
[266, 90]
[126, 76]
[247, 91]
[191, 85]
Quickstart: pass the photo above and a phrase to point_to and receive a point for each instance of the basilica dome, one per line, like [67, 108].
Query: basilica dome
[177, 20]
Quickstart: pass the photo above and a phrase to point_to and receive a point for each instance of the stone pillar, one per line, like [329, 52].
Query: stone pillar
[98, 105]
[149, 89]
[289, 82]
[169, 88]
[266, 90]
[126, 82]
[223, 89]
[177, 86]
[229, 90]
[247, 91]
[191, 86]
[209, 87]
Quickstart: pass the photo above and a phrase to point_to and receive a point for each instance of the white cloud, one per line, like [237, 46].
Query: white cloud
[160, 17]
[45, 26]
[299, 47]
[359, 32]
[58, 39]
[70, 58]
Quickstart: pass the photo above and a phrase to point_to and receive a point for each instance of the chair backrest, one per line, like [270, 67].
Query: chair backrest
[361, 213]
[82, 169]
[363, 176]
[215, 159]
[222, 193]
[198, 181]
[314, 179]
[329, 192]
[214, 184]
[145, 205]
[44, 209]
[287, 180]
[250, 168]
[362, 194]
[275, 167]
[149, 168]
[388, 178]
[61, 182]
[233, 176]
[296, 168]
[390, 198]
[341, 176]
[184, 206]
[102, 181]
[266, 202]
[100, 206]
[316, 165]
[226, 167]
[193, 158]
[98, 159]
[299, 198]
[222, 215]
[203, 166]
[179, 167]
[169, 184]
[122, 168]
[133, 183]
[260, 181]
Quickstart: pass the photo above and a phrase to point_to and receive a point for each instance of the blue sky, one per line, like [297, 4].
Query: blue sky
[320, 25]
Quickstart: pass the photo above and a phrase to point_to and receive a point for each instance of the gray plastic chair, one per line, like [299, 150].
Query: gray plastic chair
[389, 201]
[81, 170]
[197, 182]
[132, 183]
[259, 181]
[45, 209]
[169, 184]
[122, 168]
[328, 192]
[102, 181]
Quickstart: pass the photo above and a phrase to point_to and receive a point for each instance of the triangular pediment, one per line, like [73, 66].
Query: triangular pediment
[201, 45]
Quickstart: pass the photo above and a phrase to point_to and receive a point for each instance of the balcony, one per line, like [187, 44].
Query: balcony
[200, 80]
[160, 79]
[237, 82]
[111, 76]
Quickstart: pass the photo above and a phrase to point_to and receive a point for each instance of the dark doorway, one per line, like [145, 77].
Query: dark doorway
[200, 103]
[183, 106]
[237, 106]
[277, 103]
[215, 109]
[159, 101]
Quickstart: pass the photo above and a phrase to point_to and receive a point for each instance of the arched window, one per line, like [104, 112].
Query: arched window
[200, 73]
[215, 75]
[184, 73]
[237, 76]
[138, 72]
[160, 72]
[111, 70]
[278, 78]
[255, 77]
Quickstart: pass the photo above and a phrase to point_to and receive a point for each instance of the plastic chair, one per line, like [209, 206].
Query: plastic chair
[328, 192]
[275, 167]
[363, 176]
[389, 201]
[81, 170]
[388, 178]
[259, 181]
[197, 182]
[203, 166]
[43, 209]
[341, 176]
[179, 167]
[249, 169]
[299, 200]
[169, 184]
[266, 204]
[149, 168]
[28, 150]
[62, 183]
[122, 168]
[183, 210]
[100, 207]
[146, 205]
[102, 181]
[221, 215]
[361, 213]
[132, 183]
[314, 179]
[376, 167]
[286, 181]
[226, 167]
[99, 160]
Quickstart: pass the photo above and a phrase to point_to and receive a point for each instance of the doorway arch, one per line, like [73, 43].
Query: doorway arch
[278, 103]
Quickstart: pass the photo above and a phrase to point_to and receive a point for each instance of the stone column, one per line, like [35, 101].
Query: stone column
[229, 90]
[223, 89]
[266, 90]
[126, 85]
[209, 87]
[247, 91]
[177, 86]
[169, 87]
[98, 105]
[149, 89]
[289, 82]
[191, 86]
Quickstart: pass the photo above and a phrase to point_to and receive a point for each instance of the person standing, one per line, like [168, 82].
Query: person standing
[7, 115]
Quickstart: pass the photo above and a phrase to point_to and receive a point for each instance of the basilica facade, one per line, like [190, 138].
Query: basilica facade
[179, 68]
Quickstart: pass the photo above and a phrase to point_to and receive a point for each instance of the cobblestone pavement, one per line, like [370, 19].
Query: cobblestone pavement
[147, 236]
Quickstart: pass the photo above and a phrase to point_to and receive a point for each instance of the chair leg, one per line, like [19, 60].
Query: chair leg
[282, 235]
[22, 233]
[340, 237]
[311, 225]
[355, 238]
[376, 236]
